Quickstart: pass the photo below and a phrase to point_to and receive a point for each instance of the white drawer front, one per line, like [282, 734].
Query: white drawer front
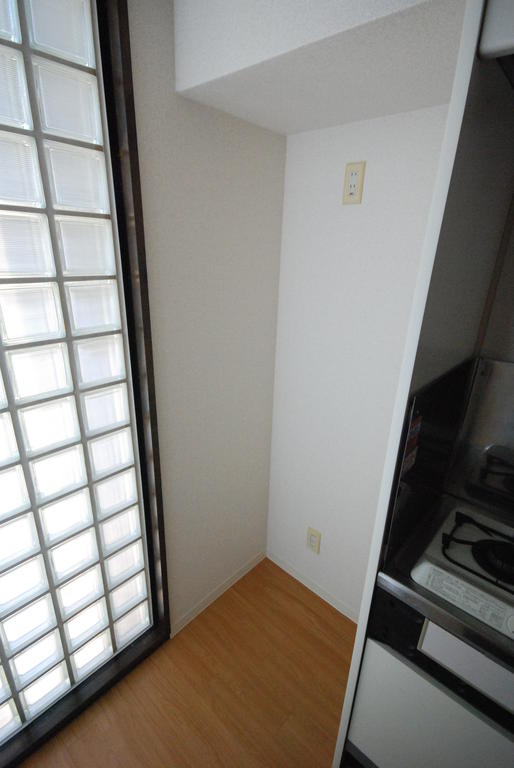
[404, 719]
[469, 664]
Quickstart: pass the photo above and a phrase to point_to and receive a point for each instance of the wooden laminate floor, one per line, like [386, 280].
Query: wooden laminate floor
[256, 681]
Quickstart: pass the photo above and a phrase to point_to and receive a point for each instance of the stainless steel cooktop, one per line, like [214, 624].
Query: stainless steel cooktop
[470, 563]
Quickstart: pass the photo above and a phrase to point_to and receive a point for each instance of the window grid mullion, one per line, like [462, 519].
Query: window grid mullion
[50, 278]
[48, 135]
[25, 46]
[67, 336]
[42, 400]
[5, 697]
[24, 461]
[61, 211]
[95, 634]
[82, 440]
[10, 682]
[26, 603]
[64, 305]
[27, 643]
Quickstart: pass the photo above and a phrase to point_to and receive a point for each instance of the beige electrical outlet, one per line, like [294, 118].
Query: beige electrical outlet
[313, 540]
[353, 182]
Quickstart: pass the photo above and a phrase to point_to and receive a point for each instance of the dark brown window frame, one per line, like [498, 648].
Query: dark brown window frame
[117, 77]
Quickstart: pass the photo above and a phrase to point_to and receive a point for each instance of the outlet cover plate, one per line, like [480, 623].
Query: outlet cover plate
[354, 182]
[313, 539]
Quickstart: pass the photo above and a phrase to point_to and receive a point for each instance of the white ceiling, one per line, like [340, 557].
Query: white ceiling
[402, 62]
[214, 38]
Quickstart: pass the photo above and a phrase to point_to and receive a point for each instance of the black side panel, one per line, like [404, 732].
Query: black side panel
[354, 758]
[433, 419]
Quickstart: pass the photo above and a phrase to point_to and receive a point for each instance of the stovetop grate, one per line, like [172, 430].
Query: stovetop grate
[485, 559]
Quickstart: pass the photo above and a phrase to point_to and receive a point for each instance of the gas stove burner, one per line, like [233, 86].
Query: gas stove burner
[491, 559]
[496, 558]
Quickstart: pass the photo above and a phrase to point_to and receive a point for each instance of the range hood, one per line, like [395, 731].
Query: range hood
[497, 38]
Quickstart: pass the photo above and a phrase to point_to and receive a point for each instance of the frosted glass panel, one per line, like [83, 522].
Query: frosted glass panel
[30, 312]
[120, 529]
[21, 583]
[18, 540]
[13, 491]
[128, 594]
[67, 101]
[39, 372]
[93, 306]
[40, 694]
[132, 624]
[91, 655]
[49, 425]
[111, 452]
[63, 28]
[28, 624]
[58, 473]
[8, 445]
[85, 246]
[77, 178]
[14, 100]
[25, 248]
[9, 22]
[72, 549]
[74, 554]
[36, 659]
[66, 516]
[116, 493]
[125, 563]
[105, 408]
[78, 592]
[9, 719]
[99, 360]
[86, 624]
[20, 180]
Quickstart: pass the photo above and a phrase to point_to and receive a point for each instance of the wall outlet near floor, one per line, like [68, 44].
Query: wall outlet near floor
[353, 182]
[313, 539]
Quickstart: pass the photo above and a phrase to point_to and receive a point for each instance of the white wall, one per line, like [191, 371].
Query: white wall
[346, 284]
[212, 191]
[474, 220]
[218, 37]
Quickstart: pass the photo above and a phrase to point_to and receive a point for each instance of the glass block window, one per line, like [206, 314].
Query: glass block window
[74, 587]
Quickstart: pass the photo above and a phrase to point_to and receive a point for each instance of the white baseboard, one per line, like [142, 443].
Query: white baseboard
[346, 610]
[213, 595]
